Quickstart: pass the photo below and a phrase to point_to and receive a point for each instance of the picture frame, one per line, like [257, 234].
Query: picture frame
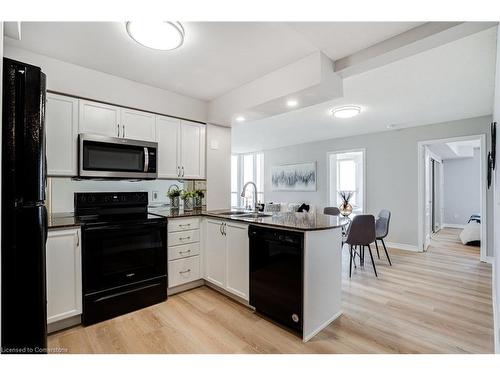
[294, 177]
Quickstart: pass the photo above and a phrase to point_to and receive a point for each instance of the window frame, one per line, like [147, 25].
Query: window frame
[362, 175]
[240, 176]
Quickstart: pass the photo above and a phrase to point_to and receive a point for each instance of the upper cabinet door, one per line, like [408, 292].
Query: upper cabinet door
[168, 138]
[61, 121]
[192, 150]
[98, 118]
[137, 125]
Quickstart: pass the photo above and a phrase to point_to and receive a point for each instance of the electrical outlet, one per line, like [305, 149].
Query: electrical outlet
[154, 196]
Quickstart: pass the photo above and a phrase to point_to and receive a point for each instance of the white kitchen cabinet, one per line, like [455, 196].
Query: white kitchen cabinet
[99, 118]
[237, 259]
[64, 274]
[192, 150]
[181, 148]
[61, 119]
[137, 125]
[227, 256]
[168, 131]
[215, 253]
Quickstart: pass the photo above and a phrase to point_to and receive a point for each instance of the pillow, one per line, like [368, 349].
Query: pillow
[471, 233]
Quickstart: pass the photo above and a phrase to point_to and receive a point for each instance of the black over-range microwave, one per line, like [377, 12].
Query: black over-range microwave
[109, 157]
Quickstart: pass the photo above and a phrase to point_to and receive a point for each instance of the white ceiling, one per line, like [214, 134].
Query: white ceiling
[450, 82]
[216, 57]
[455, 150]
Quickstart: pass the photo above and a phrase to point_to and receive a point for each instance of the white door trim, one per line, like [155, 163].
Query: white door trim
[484, 189]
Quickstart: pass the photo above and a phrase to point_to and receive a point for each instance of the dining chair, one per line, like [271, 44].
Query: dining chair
[362, 234]
[334, 211]
[381, 230]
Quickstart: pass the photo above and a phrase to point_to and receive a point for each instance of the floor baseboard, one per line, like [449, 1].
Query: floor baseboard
[457, 226]
[402, 246]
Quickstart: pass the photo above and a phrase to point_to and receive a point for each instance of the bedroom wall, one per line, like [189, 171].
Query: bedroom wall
[391, 171]
[462, 194]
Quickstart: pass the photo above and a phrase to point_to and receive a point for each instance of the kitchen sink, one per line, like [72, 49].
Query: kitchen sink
[255, 215]
[233, 213]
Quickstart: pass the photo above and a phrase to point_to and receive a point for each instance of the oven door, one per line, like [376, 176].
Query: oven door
[108, 157]
[122, 254]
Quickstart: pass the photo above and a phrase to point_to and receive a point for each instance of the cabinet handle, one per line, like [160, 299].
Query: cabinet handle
[186, 271]
[184, 225]
[77, 240]
[182, 171]
[123, 131]
[220, 229]
[225, 225]
[184, 252]
[118, 130]
[178, 171]
[184, 238]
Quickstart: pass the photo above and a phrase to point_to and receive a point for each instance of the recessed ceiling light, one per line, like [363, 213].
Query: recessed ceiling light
[292, 103]
[346, 111]
[161, 35]
[240, 119]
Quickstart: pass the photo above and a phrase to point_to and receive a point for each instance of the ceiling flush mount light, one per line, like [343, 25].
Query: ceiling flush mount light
[346, 111]
[240, 119]
[292, 103]
[160, 35]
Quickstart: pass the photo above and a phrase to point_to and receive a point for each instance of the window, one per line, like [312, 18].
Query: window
[347, 173]
[244, 168]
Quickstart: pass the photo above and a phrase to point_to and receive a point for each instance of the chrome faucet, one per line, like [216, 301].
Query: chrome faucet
[254, 194]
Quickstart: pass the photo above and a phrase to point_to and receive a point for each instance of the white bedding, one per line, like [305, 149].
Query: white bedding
[471, 232]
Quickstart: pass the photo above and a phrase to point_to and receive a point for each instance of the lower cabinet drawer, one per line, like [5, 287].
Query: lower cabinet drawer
[183, 271]
[181, 238]
[183, 251]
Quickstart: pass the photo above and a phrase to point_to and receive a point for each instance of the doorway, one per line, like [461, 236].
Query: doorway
[452, 191]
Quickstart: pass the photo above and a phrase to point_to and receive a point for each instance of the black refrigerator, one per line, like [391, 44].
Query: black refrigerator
[24, 216]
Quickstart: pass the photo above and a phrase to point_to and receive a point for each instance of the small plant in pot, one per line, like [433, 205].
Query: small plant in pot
[174, 193]
[188, 198]
[345, 207]
[198, 198]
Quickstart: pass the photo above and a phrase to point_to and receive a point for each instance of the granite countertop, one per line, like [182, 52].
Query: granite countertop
[301, 221]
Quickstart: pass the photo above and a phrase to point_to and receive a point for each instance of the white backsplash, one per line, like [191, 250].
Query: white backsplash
[61, 190]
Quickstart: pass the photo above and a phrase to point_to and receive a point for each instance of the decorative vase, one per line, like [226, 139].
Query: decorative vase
[197, 202]
[345, 209]
[188, 203]
[174, 203]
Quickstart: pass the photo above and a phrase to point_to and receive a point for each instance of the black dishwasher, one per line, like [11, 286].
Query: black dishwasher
[276, 274]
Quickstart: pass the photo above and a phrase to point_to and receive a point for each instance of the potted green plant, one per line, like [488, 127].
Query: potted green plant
[198, 198]
[174, 193]
[188, 198]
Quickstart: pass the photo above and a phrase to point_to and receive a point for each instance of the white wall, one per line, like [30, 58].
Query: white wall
[462, 195]
[218, 167]
[61, 190]
[391, 171]
[79, 81]
[496, 268]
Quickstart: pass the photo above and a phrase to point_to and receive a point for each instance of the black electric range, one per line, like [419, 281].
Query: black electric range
[124, 253]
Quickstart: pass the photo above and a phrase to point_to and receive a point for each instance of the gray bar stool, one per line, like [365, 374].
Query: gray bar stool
[362, 234]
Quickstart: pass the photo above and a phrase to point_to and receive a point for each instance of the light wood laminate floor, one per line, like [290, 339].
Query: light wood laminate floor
[434, 302]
